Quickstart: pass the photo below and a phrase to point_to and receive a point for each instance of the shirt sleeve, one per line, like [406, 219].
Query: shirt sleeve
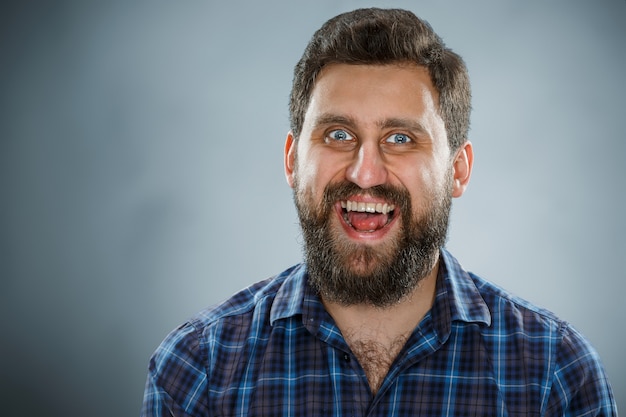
[580, 386]
[177, 377]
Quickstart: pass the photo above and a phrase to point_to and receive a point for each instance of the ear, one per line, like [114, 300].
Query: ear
[462, 165]
[290, 158]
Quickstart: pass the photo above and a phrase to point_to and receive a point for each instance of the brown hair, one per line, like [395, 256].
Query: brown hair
[385, 36]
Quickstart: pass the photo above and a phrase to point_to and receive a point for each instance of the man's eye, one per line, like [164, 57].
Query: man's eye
[398, 138]
[339, 135]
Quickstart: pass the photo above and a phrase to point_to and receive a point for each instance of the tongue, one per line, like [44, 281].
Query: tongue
[366, 222]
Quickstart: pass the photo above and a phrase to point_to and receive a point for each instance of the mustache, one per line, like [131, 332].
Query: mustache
[343, 190]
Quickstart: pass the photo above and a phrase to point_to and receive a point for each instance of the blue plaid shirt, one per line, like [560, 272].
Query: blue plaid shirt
[272, 350]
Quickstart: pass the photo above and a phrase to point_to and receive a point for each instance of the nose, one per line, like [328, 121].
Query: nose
[367, 168]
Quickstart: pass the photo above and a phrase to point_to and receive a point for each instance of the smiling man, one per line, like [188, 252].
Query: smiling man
[373, 175]
[380, 319]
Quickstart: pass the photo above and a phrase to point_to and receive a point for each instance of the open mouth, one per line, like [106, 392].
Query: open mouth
[367, 217]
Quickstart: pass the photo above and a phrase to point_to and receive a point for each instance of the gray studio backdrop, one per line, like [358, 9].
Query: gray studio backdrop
[141, 174]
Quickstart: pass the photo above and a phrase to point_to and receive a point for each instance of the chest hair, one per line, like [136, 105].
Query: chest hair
[376, 357]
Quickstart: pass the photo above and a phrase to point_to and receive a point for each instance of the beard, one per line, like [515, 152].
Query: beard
[349, 273]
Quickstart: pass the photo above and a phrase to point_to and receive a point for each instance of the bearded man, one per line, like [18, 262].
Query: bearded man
[380, 319]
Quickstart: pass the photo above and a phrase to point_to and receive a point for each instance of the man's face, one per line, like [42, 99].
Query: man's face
[373, 178]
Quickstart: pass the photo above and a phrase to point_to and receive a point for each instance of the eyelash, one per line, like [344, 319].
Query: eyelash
[347, 136]
[344, 136]
[405, 138]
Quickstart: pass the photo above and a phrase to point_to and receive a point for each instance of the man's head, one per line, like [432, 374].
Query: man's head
[371, 165]
[385, 36]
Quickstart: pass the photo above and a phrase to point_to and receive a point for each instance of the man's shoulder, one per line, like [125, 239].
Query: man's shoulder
[515, 318]
[503, 302]
[476, 299]
[256, 298]
[231, 320]
[531, 337]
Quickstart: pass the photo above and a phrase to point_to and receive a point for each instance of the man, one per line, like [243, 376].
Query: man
[380, 320]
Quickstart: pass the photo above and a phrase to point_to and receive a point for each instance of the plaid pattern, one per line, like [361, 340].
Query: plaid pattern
[272, 350]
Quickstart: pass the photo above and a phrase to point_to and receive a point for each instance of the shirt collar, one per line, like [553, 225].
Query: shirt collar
[290, 296]
[457, 298]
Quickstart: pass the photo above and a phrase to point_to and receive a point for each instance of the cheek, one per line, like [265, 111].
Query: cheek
[426, 185]
[304, 176]
[314, 171]
[309, 185]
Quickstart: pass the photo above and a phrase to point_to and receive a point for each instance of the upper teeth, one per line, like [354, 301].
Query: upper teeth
[383, 208]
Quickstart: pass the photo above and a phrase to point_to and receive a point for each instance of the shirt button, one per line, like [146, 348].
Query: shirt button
[346, 357]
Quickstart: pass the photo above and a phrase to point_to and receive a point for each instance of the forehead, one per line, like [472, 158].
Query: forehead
[371, 93]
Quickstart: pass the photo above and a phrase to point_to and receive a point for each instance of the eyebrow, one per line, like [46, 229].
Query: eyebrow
[400, 123]
[331, 119]
[391, 123]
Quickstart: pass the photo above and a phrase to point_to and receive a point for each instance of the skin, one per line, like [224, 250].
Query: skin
[372, 125]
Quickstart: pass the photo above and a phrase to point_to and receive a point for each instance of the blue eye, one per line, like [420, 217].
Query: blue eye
[339, 135]
[398, 138]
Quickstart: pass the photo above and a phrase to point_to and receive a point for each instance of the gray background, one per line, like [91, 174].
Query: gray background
[141, 174]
